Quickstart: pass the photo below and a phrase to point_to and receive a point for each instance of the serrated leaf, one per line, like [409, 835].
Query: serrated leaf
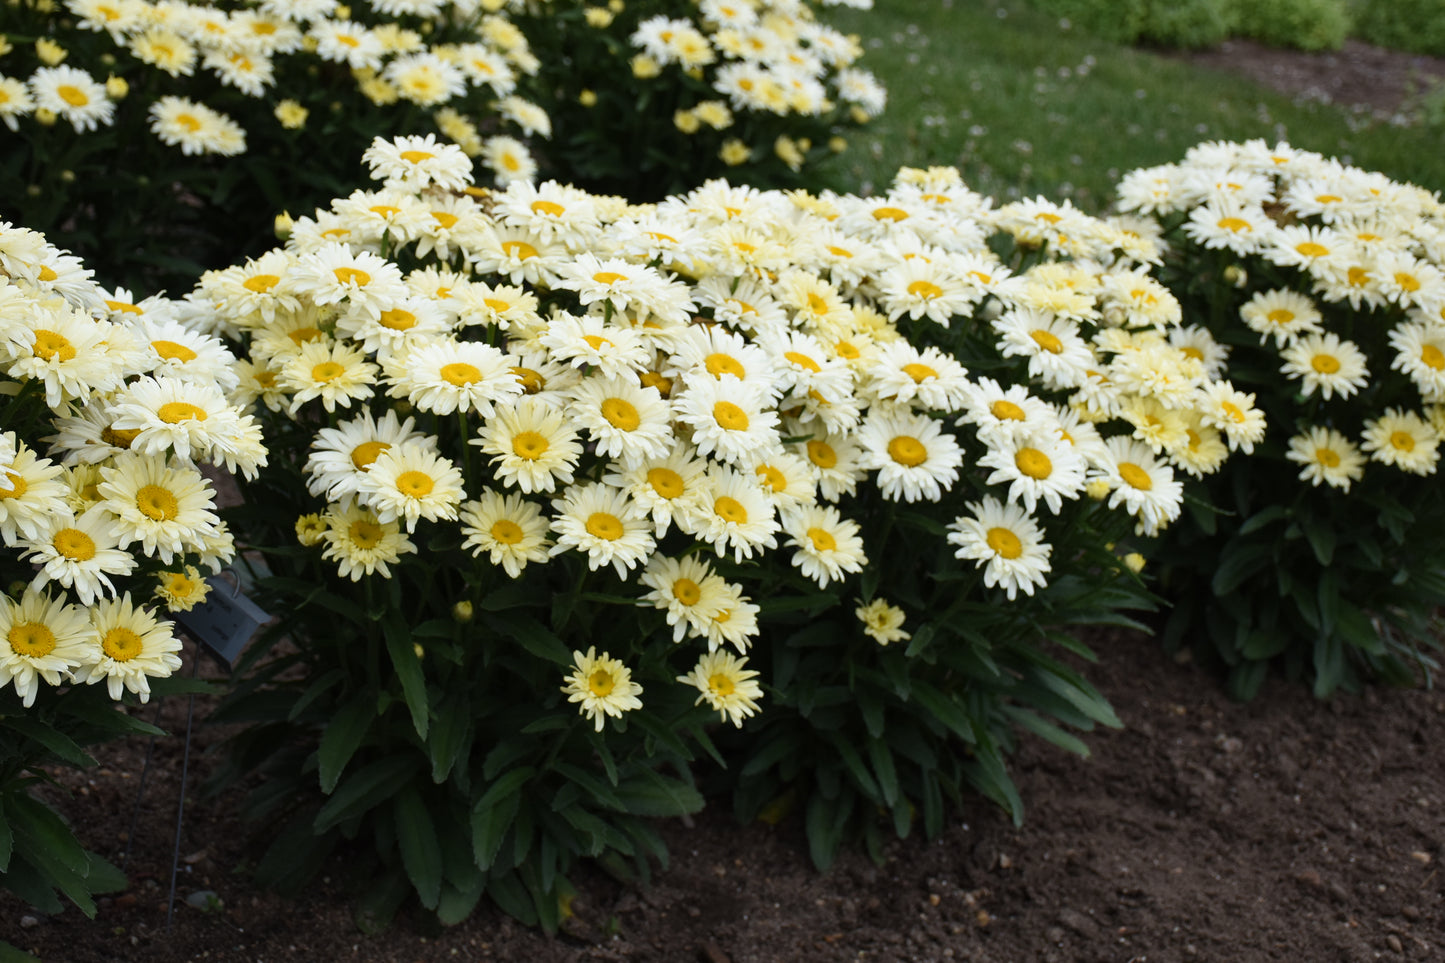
[366, 789]
[421, 854]
[341, 738]
[408, 670]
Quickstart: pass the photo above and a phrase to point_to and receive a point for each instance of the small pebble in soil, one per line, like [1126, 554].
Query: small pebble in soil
[26, 922]
[1420, 857]
[1394, 943]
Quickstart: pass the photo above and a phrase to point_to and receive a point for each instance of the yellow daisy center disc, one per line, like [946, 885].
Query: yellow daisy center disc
[261, 283]
[367, 452]
[802, 360]
[1325, 364]
[595, 341]
[925, 289]
[605, 526]
[52, 346]
[686, 591]
[1235, 225]
[397, 319]
[366, 534]
[772, 477]
[177, 584]
[822, 541]
[621, 414]
[1432, 356]
[350, 275]
[1327, 457]
[729, 509]
[416, 156]
[415, 484]
[548, 207]
[1135, 476]
[721, 684]
[822, 454]
[1402, 441]
[31, 639]
[17, 488]
[445, 219]
[651, 379]
[327, 372]
[305, 335]
[1280, 316]
[665, 482]
[157, 503]
[121, 644]
[1047, 340]
[460, 374]
[507, 531]
[1005, 410]
[919, 372]
[1005, 543]
[529, 445]
[894, 214]
[1033, 463]
[74, 544]
[719, 364]
[608, 277]
[171, 351]
[601, 683]
[907, 451]
[1311, 249]
[175, 412]
[520, 250]
[531, 381]
[72, 95]
[729, 416]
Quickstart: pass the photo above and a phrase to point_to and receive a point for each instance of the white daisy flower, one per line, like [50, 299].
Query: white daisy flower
[1006, 542]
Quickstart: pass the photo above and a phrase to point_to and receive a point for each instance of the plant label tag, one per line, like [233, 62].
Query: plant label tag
[224, 622]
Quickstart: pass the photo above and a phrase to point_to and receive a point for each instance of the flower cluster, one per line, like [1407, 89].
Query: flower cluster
[720, 374]
[746, 87]
[269, 51]
[124, 399]
[1340, 273]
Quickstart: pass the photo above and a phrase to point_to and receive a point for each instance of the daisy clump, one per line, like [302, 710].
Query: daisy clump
[1331, 301]
[689, 439]
[113, 405]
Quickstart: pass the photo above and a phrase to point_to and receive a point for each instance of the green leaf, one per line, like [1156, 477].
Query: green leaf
[457, 903]
[648, 793]
[512, 898]
[58, 743]
[1262, 518]
[421, 854]
[862, 778]
[342, 737]
[366, 789]
[1046, 730]
[450, 736]
[376, 907]
[825, 824]
[1321, 538]
[1329, 659]
[408, 670]
[12, 954]
[40, 832]
[882, 761]
[104, 876]
[535, 637]
[7, 838]
[1239, 560]
[943, 709]
[493, 813]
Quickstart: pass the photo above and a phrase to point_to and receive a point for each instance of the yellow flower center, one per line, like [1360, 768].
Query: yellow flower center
[822, 454]
[1311, 249]
[1402, 441]
[47, 273]
[719, 364]
[531, 381]
[802, 360]
[729, 416]
[1135, 477]
[397, 319]
[551, 208]
[301, 336]
[1235, 225]
[1432, 356]
[459, 374]
[366, 534]
[651, 379]
[1047, 340]
[919, 372]
[1033, 463]
[157, 503]
[601, 683]
[608, 277]
[1048, 217]
[72, 95]
[665, 482]
[1325, 364]
[119, 437]
[416, 156]
[261, 283]
[351, 275]
[894, 214]
[121, 644]
[1357, 276]
[1236, 413]
[595, 341]
[367, 452]
[621, 414]
[1189, 351]
[327, 372]
[822, 541]
[847, 350]
[1327, 457]
[729, 509]
[925, 289]
[529, 445]
[817, 303]
[171, 351]
[1005, 410]
[385, 210]
[907, 451]
[177, 584]
[52, 346]
[605, 526]
[1005, 543]
[445, 219]
[74, 544]
[772, 477]
[520, 250]
[175, 412]
[415, 484]
[31, 639]
[1328, 198]
[721, 684]
[686, 591]
[507, 531]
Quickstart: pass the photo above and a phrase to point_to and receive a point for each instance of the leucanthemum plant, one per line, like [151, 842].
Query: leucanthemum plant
[1323, 553]
[653, 97]
[590, 493]
[112, 405]
[148, 99]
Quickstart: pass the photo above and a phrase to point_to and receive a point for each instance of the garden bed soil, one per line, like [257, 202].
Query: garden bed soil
[1285, 829]
[1369, 79]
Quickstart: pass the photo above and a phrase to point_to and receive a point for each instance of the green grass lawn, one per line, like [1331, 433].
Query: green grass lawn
[1024, 107]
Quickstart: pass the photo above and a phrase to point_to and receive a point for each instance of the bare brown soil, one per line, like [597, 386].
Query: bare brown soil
[1370, 79]
[1286, 829]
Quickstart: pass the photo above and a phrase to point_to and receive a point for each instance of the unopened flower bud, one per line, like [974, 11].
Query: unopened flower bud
[462, 611]
[1134, 562]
